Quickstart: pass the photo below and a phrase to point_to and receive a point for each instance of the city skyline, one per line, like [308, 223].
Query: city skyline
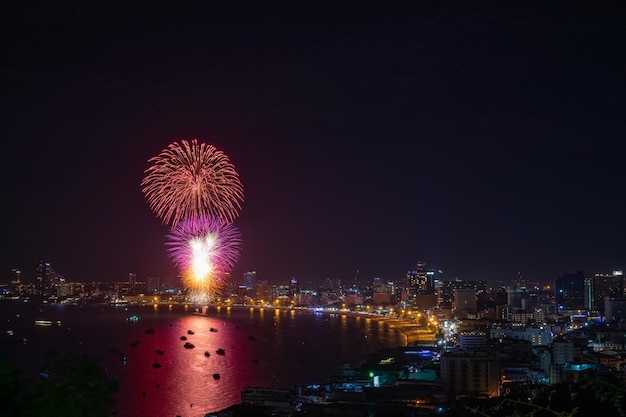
[484, 140]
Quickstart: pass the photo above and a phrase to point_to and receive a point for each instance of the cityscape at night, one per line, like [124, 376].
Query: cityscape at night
[469, 340]
[368, 209]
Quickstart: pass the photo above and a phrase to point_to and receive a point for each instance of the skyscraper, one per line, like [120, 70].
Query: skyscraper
[606, 285]
[569, 291]
[419, 281]
[153, 284]
[294, 286]
[132, 280]
[249, 278]
[44, 279]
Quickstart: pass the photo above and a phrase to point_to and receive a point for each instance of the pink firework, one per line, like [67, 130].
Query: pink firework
[192, 180]
[204, 249]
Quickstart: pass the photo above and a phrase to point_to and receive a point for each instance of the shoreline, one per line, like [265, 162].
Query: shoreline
[414, 334]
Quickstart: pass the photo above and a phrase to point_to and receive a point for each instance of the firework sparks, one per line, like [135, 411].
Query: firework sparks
[192, 180]
[204, 249]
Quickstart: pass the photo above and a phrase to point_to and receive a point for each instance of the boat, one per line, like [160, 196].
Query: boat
[159, 352]
[150, 330]
[206, 353]
[255, 360]
[220, 351]
[251, 337]
[47, 322]
[156, 365]
[212, 329]
[190, 332]
[183, 338]
[216, 376]
[188, 345]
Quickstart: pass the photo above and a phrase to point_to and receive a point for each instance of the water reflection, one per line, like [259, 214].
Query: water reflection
[262, 348]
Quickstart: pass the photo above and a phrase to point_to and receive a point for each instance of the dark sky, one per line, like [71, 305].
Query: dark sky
[483, 139]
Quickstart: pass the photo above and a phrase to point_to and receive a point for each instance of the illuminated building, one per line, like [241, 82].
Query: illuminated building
[249, 278]
[44, 279]
[132, 280]
[446, 291]
[469, 340]
[262, 291]
[294, 286]
[605, 285]
[65, 289]
[419, 281]
[535, 335]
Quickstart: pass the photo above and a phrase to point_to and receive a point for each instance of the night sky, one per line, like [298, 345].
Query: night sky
[483, 139]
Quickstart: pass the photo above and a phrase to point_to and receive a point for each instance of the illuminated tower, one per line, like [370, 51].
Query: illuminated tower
[44, 279]
[132, 280]
[16, 283]
[419, 281]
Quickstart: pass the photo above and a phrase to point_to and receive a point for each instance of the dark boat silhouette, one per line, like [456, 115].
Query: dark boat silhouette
[188, 345]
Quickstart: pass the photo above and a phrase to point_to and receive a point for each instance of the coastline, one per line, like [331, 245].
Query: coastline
[413, 333]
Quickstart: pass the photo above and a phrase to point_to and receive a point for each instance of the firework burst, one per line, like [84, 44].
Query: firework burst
[192, 180]
[205, 250]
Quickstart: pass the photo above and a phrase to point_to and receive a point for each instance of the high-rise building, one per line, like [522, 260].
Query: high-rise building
[446, 290]
[475, 373]
[294, 286]
[615, 308]
[262, 291]
[132, 280]
[419, 281]
[153, 284]
[569, 292]
[464, 302]
[606, 285]
[44, 279]
[249, 278]
[516, 296]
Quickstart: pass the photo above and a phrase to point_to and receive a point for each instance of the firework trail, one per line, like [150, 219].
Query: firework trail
[192, 180]
[204, 249]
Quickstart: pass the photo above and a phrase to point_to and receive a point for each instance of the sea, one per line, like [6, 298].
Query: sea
[263, 347]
